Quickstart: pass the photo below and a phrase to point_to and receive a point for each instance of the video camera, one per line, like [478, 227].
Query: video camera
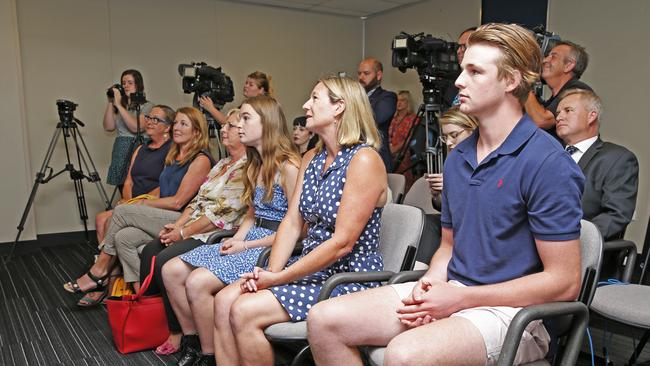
[546, 40]
[206, 81]
[433, 58]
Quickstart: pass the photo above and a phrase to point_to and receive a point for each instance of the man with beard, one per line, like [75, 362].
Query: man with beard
[383, 102]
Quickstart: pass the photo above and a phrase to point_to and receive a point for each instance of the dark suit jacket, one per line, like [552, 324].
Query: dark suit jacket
[384, 104]
[612, 178]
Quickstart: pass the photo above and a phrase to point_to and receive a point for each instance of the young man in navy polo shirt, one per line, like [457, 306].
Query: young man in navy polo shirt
[511, 224]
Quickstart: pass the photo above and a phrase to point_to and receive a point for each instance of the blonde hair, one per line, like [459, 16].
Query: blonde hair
[277, 148]
[453, 116]
[357, 124]
[519, 52]
[231, 112]
[263, 81]
[409, 100]
[200, 142]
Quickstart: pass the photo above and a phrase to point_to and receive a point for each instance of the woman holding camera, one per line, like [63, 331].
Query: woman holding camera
[120, 115]
[257, 83]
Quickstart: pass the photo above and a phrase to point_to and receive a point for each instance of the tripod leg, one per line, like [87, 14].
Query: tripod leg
[40, 176]
[92, 173]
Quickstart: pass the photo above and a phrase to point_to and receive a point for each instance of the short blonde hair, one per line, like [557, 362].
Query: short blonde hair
[453, 116]
[520, 52]
[357, 124]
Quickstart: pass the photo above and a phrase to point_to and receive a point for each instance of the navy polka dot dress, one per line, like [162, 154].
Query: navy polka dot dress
[228, 268]
[319, 203]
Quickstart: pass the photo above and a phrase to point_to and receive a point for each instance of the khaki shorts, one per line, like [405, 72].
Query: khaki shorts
[492, 323]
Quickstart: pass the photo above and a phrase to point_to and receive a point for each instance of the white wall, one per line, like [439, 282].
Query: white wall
[75, 49]
[14, 154]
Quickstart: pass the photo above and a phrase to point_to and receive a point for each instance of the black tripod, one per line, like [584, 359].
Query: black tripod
[68, 128]
[423, 137]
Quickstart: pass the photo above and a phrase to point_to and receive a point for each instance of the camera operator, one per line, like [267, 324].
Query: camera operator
[257, 83]
[451, 94]
[383, 102]
[120, 115]
[561, 70]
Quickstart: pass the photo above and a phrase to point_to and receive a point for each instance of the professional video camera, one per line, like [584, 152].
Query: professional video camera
[546, 40]
[433, 58]
[206, 81]
[435, 61]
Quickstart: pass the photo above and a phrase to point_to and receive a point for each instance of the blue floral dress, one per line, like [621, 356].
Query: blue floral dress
[228, 268]
[319, 203]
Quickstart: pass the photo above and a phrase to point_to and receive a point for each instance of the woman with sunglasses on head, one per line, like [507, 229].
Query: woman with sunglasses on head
[186, 165]
[456, 126]
[120, 115]
[217, 206]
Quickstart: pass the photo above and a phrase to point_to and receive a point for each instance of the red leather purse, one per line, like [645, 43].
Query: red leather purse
[138, 322]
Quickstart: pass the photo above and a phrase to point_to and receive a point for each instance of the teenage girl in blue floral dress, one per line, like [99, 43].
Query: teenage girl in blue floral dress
[193, 278]
[340, 192]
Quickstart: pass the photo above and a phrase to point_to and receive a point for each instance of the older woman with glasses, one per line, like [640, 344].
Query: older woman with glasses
[146, 164]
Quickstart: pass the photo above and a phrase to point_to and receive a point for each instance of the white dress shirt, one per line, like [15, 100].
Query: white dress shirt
[582, 147]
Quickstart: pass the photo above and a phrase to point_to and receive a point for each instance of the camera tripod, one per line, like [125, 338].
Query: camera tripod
[430, 151]
[68, 128]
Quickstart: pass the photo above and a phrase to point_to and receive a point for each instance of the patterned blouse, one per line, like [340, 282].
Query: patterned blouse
[399, 129]
[219, 198]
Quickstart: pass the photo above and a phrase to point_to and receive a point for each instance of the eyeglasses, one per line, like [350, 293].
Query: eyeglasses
[154, 119]
[451, 136]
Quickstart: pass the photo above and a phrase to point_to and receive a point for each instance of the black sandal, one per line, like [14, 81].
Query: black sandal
[89, 302]
[100, 282]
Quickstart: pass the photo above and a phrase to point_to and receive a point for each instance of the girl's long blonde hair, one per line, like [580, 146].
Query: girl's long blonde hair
[277, 148]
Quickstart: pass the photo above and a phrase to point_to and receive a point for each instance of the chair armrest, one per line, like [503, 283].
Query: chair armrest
[350, 277]
[528, 314]
[266, 253]
[623, 246]
[406, 276]
[219, 235]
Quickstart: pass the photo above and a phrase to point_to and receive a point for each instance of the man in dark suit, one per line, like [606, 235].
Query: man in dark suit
[383, 102]
[611, 171]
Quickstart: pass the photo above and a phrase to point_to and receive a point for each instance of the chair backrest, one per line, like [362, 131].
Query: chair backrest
[399, 236]
[591, 245]
[397, 183]
[419, 195]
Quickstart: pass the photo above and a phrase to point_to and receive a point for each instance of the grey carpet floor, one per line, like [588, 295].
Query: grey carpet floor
[40, 323]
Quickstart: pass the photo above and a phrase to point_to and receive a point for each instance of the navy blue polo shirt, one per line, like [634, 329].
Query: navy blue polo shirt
[528, 188]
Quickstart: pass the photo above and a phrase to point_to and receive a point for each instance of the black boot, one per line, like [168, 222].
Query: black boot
[190, 350]
[205, 360]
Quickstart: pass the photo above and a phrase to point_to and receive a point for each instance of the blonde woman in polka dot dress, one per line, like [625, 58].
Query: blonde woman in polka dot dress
[340, 192]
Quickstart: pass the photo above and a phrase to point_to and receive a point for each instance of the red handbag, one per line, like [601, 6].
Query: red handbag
[138, 322]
